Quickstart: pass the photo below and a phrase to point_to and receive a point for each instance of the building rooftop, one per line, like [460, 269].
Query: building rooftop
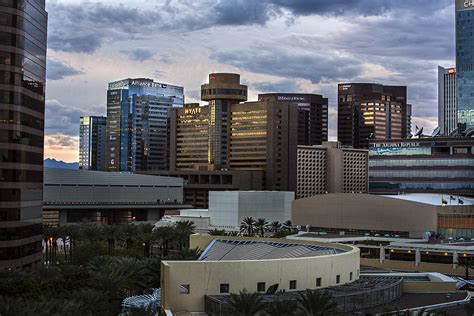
[102, 178]
[433, 199]
[258, 250]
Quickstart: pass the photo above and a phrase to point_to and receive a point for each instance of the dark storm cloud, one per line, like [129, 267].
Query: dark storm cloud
[57, 70]
[285, 85]
[140, 54]
[85, 27]
[316, 67]
[64, 119]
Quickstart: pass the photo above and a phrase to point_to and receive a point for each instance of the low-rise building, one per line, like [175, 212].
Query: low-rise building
[331, 168]
[83, 196]
[231, 264]
[410, 215]
[227, 209]
[422, 165]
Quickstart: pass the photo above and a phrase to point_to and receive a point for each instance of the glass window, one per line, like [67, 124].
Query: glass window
[318, 281]
[184, 289]
[292, 284]
[261, 286]
[338, 279]
[224, 288]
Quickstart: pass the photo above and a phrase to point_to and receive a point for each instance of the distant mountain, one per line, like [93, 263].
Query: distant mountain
[53, 163]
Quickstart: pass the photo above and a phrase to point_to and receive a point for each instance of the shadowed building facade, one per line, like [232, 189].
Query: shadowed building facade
[23, 28]
[465, 65]
[371, 111]
[92, 143]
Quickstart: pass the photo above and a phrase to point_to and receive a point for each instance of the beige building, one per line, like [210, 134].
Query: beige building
[236, 263]
[364, 213]
[331, 169]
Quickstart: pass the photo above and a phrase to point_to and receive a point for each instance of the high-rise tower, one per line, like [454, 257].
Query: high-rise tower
[447, 110]
[222, 90]
[23, 27]
[137, 124]
[465, 65]
[92, 136]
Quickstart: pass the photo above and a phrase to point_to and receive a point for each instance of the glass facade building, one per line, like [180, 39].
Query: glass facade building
[465, 64]
[425, 165]
[447, 109]
[92, 136]
[23, 28]
[137, 124]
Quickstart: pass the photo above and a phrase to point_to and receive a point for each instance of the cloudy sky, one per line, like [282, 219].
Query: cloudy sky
[276, 46]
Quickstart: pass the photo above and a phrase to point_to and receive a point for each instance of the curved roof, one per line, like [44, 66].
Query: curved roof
[433, 199]
[257, 250]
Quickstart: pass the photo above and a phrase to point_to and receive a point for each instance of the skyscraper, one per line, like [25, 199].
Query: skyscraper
[222, 90]
[23, 61]
[312, 115]
[92, 145]
[447, 112]
[371, 111]
[465, 65]
[137, 124]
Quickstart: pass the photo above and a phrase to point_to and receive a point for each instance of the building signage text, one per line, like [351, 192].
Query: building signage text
[464, 4]
[290, 98]
[397, 145]
[192, 111]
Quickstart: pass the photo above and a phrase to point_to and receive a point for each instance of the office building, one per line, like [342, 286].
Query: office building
[422, 165]
[312, 115]
[83, 196]
[231, 264]
[408, 120]
[223, 90]
[371, 111]
[465, 65]
[263, 136]
[227, 209]
[331, 168]
[260, 136]
[137, 124]
[22, 95]
[447, 111]
[92, 143]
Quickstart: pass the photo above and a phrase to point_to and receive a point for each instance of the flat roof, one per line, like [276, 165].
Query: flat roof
[433, 199]
[101, 178]
[222, 249]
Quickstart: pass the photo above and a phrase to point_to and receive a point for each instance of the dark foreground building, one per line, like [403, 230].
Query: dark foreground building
[425, 165]
[369, 111]
[23, 27]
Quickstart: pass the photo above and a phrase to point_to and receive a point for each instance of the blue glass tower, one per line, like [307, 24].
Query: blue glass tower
[465, 64]
[137, 124]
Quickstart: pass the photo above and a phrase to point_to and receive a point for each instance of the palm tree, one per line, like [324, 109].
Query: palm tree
[288, 226]
[316, 303]
[247, 226]
[164, 235]
[260, 225]
[281, 307]
[275, 226]
[187, 254]
[245, 303]
[217, 232]
[467, 263]
[183, 230]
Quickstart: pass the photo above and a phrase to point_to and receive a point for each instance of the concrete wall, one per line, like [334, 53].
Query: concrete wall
[410, 266]
[228, 208]
[365, 212]
[205, 277]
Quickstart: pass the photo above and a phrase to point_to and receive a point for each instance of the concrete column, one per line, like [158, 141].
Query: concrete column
[417, 257]
[382, 254]
[455, 259]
